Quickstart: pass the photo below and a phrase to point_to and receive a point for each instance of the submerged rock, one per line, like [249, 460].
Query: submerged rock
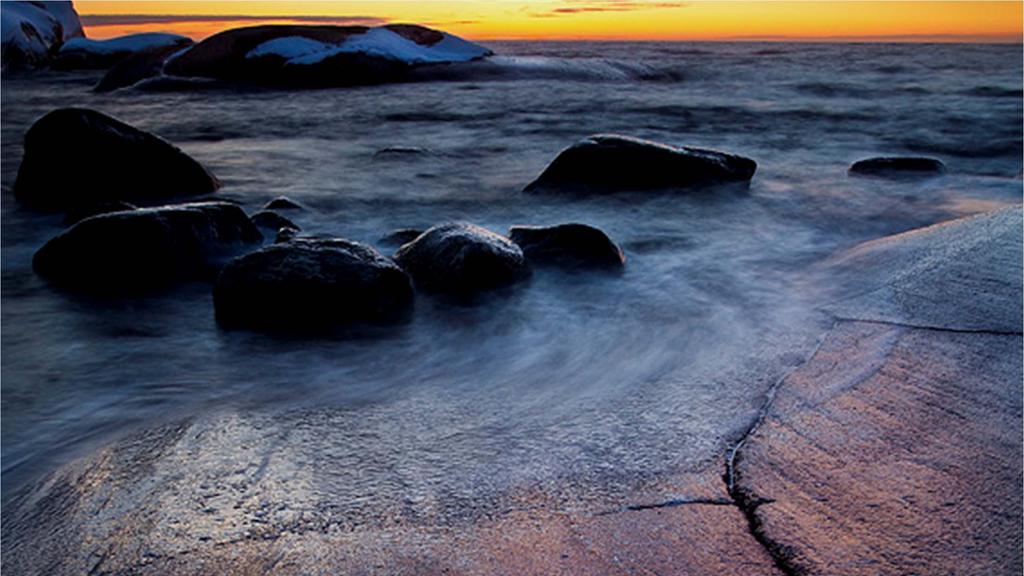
[136, 68]
[462, 259]
[86, 53]
[570, 245]
[311, 284]
[136, 251]
[102, 207]
[76, 156]
[33, 31]
[295, 55]
[273, 221]
[898, 167]
[612, 163]
[282, 203]
[400, 236]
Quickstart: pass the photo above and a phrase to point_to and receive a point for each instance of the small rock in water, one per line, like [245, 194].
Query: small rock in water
[569, 245]
[613, 163]
[462, 259]
[311, 283]
[103, 207]
[273, 221]
[76, 156]
[282, 203]
[898, 167]
[400, 236]
[132, 252]
[401, 151]
[285, 235]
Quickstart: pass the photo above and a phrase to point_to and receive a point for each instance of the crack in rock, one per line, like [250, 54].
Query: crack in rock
[932, 328]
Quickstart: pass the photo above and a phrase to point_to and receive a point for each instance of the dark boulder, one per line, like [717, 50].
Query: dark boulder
[282, 203]
[273, 221]
[311, 284]
[898, 167]
[76, 156]
[400, 236]
[131, 252]
[612, 163]
[135, 68]
[569, 245]
[462, 259]
[103, 207]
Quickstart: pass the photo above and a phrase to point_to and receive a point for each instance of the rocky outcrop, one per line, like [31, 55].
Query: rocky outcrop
[294, 55]
[86, 53]
[32, 32]
[76, 156]
[898, 167]
[462, 259]
[136, 68]
[613, 163]
[132, 252]
[574, 246]
[305, 284]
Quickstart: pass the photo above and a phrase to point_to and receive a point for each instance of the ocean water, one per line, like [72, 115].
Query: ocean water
[601, 382]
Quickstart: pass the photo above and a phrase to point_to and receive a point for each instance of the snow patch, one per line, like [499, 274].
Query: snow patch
[131, 43]
[379, 42]
[28, 30]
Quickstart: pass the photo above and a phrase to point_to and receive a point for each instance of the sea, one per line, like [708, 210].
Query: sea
[603, 382]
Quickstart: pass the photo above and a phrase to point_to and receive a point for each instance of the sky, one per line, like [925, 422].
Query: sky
[923, 21]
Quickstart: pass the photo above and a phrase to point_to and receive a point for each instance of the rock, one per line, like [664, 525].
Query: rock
[132, 252]
[311, 284]
[85, 53]
[898, 167]
[285, 235]
[282, 203]
[33, 31]
[401, 152]
[570, 245]
[76, 156]
[135, 68]
[462, 259]
[612, 163]
[295, 55]
[400, 236]
[103, 207]
[273, 221]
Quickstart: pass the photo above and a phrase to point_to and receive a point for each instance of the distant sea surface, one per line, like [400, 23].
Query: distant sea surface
[608, 381]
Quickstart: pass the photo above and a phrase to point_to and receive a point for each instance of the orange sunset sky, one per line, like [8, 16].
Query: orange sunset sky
[590, 19]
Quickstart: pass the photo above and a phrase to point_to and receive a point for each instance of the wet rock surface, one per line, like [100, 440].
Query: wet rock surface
[103, 207]
[898, 167]
[273, 221]
[400, 236]
[132, 252]
[574, 246]
[311, 284]
[615, 163]
[462, 259]
[76, 156]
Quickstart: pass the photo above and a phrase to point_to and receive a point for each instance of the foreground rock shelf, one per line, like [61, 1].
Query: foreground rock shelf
[892, 447]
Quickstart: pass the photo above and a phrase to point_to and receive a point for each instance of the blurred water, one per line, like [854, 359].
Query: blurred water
[607, 379]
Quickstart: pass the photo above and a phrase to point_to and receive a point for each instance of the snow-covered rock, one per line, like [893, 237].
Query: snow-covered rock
[88, 53]
[380, 42]
[321, 55]
[30, 32]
